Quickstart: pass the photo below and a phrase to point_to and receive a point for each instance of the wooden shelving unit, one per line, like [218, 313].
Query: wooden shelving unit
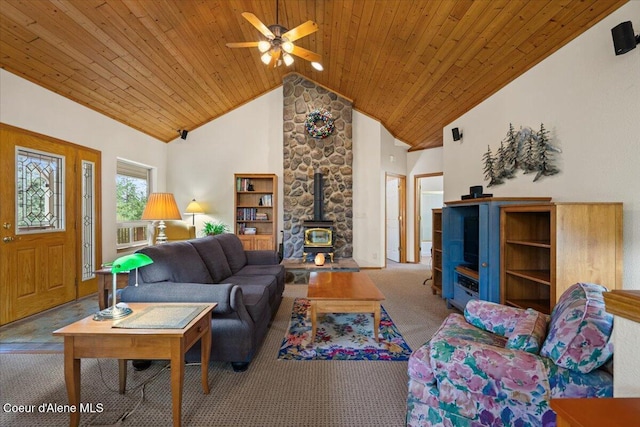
[547, 248]
[462, 281]
[256, 206]
[436, 252]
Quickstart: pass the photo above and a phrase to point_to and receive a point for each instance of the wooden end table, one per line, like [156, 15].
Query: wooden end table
[343, 292]
[597, 412]
[88, 338]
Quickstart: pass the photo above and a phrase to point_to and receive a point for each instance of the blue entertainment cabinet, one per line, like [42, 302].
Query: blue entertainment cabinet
[464, 275]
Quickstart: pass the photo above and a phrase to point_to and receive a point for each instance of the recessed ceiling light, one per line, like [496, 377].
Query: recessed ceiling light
[318, 66]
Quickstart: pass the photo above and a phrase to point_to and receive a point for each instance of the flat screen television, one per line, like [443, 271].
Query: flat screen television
[471, 244]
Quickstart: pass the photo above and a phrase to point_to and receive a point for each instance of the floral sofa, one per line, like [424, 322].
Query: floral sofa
[498, 365]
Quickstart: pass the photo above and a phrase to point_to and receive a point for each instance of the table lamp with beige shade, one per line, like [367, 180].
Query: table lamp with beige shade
[194, 208]
[161, 207]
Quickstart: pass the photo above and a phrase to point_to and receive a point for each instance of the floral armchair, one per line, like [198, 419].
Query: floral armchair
[498, 366]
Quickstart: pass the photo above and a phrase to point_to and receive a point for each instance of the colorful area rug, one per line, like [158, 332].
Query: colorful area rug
[341, 336]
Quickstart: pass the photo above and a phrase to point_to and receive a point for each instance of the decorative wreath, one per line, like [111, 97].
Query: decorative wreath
[313, 120]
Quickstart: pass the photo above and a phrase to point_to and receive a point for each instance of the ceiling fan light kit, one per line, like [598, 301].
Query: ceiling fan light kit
[266, 58]
[264, 46]
[288, 59]
[279, 47]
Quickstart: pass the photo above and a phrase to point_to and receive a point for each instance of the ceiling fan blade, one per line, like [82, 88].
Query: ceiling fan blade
[305, 54]
[275, 55]
[300, 31]
[243, 44]
[258, 24]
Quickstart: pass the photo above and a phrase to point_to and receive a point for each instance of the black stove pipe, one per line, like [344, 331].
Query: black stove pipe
[318, 196]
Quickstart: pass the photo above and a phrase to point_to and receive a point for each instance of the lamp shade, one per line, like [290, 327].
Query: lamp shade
[161, 206]
[194, 207]
[130, 262]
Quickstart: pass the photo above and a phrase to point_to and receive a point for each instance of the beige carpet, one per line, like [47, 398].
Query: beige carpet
[271, 393]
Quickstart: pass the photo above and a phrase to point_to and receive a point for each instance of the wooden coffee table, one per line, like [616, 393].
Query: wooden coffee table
[88, 338]
[343, 292]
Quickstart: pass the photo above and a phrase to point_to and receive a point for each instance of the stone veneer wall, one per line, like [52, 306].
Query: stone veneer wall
[303, 154]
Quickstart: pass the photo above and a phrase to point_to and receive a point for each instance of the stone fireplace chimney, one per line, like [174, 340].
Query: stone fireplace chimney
[326, 200]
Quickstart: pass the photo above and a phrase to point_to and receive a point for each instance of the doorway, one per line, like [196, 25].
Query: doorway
[428, 196]
[50, 222]
[395, 217]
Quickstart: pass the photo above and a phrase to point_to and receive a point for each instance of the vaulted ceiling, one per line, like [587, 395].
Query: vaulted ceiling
[162, 65]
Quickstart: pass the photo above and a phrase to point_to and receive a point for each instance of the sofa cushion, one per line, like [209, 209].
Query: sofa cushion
[259, 270]
[213, 256]
[529, 332]
[580, 330]
[174, 262]
[567, 383]
[234, 251]
[256, 300]
[266, 281]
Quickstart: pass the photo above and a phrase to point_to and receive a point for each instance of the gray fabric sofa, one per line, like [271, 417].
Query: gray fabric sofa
[247, 285]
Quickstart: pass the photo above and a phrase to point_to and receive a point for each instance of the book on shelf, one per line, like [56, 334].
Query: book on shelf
[261, 216]
[242, 184]
[266, 200]
[246, 214]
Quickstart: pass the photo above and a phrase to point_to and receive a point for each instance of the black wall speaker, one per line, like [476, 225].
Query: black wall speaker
[457, 135]
[623, 38]
[183, 134]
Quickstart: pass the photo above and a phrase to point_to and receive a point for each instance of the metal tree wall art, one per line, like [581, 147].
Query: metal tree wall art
[526, 150]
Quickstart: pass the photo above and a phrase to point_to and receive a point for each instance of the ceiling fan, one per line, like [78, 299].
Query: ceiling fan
[279, 46]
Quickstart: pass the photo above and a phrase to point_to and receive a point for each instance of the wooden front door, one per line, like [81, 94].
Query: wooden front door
[39, 244]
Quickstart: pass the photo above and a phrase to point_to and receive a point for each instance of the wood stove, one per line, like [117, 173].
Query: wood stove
[318, 238]
[319, 235]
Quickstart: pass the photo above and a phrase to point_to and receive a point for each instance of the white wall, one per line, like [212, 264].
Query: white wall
[589, 99]
[368, 202]
[245, 140]
[28, 106]
[626, 381]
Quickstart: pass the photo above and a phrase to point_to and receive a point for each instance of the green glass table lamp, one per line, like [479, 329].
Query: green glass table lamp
[123, 264]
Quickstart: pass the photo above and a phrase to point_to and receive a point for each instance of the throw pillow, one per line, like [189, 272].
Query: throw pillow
[492, 317]
[529, 333]
[579, 336]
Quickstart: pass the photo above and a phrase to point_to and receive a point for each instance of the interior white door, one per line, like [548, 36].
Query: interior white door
[393, 219]
[431, 197]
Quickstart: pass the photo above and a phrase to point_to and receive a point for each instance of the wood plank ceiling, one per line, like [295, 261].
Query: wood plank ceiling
[162, 65]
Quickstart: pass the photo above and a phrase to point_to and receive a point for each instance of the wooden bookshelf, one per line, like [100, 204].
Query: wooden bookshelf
[547, 248]
[436, 252]
[256, 206]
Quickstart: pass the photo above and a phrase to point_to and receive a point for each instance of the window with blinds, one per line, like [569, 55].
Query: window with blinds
[133, 185]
